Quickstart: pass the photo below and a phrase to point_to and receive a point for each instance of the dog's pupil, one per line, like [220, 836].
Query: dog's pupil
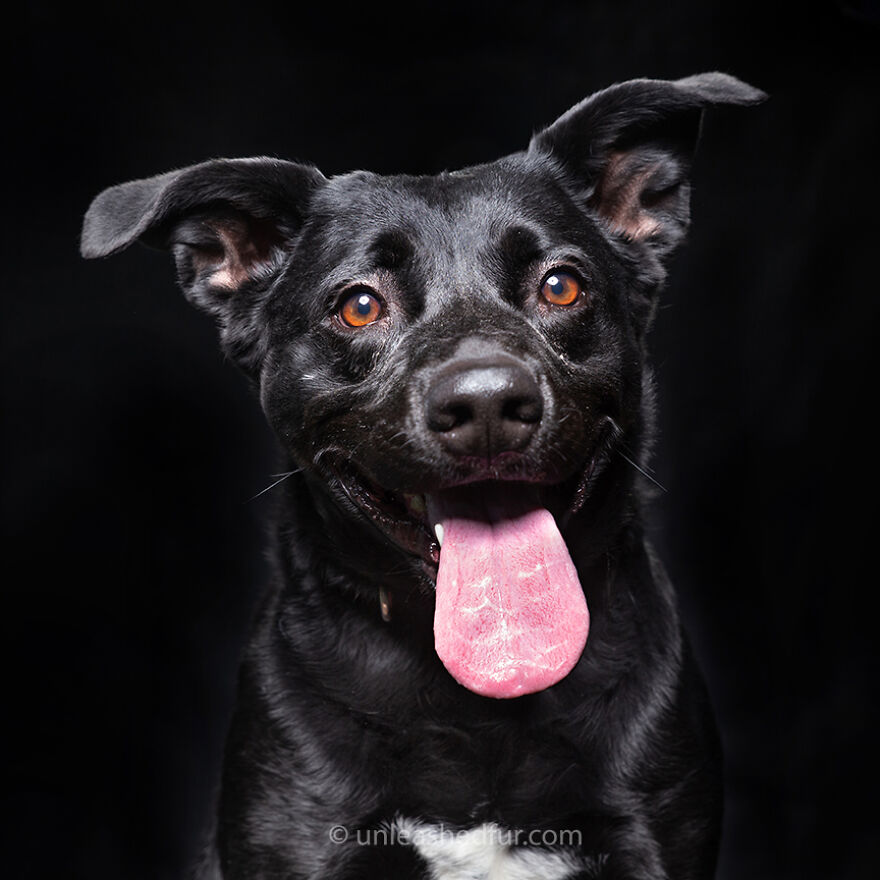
[364, 304]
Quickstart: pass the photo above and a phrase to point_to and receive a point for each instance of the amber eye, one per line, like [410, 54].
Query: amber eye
[561, 289]
[360, 309]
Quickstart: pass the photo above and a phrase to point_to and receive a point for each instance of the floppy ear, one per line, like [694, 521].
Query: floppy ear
[230, 224]
[628, 151]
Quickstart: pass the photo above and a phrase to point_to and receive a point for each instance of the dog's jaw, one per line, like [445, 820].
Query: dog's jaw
[502, 540]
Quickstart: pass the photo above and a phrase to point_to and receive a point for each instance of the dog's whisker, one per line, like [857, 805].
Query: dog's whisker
[281, 479]
[408, 441]
[641, 470]
[618, 438]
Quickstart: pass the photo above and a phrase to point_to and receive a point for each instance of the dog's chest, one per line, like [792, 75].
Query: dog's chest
[488, 852]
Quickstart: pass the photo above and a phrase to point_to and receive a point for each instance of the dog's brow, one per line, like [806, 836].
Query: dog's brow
[519, 246]
[390, 249]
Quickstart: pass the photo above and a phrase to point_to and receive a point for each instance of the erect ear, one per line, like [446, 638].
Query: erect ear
[229, 222]
[628, 151]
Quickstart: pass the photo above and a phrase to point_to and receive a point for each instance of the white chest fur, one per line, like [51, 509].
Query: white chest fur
[487, 852]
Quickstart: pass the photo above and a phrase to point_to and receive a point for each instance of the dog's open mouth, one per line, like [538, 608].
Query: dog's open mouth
[510, 613]
[404, 516]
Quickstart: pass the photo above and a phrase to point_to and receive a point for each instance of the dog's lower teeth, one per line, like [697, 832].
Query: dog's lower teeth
[438, 531]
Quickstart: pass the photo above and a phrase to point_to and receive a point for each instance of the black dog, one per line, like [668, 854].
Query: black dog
[456, 360]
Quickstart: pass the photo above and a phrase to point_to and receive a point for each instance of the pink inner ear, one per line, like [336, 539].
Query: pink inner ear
[246, 247]
[624, 181]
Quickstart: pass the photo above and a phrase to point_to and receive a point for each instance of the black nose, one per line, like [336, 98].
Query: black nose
[483, 407]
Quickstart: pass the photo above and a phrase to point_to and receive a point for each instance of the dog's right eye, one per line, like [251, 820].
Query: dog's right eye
[360, 309]
[561, 289]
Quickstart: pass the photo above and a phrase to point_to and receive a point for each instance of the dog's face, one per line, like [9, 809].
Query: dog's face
[435, 332]
[460, 351]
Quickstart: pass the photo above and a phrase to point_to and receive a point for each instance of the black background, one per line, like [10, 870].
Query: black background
[132, 548]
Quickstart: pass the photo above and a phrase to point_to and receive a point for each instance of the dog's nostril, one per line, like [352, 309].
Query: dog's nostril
[523, 409]
[447, 418]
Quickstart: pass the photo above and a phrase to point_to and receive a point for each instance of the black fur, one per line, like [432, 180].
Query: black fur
[345, 719]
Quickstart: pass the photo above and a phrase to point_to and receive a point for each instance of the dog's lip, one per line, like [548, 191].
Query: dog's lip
[402, 516]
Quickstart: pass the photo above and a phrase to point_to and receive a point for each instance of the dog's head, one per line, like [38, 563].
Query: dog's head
[461, 350]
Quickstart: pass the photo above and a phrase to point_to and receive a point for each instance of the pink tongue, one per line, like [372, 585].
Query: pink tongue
[511, 617]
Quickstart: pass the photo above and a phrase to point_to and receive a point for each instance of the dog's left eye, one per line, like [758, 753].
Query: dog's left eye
[360, 309]
[561, 289]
